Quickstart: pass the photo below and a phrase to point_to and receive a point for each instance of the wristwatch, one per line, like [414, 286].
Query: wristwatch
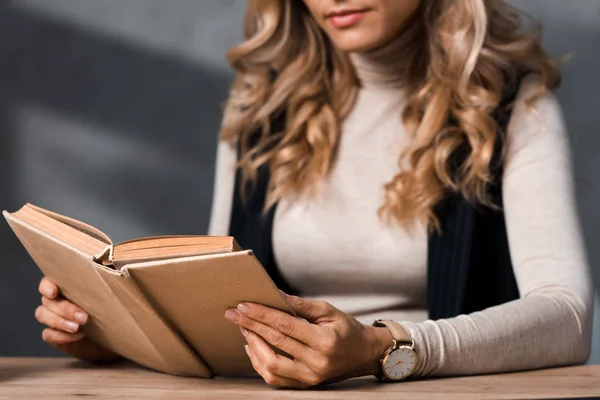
[399, 361]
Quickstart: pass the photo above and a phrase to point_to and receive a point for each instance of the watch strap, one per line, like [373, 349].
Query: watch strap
[398, 332]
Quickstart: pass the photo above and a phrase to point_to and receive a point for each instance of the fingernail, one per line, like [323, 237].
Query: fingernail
[72, 326]
[284, 294]
[232, 315]
[49, 291]
[248, 351]
[244, 331]
[81, 317]
[244, 309]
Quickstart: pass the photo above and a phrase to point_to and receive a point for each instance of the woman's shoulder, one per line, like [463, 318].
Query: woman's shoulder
[531, 96]
[537, 127]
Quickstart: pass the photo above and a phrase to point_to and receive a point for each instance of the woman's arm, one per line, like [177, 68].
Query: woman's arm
[223, 190]
[551, 323]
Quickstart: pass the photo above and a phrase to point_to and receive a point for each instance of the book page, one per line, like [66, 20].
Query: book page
[163, 247]
[75, 237]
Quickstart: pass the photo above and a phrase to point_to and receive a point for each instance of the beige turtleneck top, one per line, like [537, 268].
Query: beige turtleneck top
[334, 247]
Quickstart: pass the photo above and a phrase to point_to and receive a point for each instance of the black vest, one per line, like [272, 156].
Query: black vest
[468, 263]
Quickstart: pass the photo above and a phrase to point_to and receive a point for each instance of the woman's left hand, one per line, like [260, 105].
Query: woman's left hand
[327, 345]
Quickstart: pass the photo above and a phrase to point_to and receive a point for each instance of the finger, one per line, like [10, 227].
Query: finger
[65, 309]
[277, 365]
[56, 337]
[46, 317]
[280, 340]
[315, 311]
[268, 377]
[48, 289]
[289, 325]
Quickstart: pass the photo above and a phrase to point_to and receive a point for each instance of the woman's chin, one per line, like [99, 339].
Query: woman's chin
[354, 42]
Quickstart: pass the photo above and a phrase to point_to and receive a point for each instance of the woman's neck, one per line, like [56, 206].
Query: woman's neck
[386, 66]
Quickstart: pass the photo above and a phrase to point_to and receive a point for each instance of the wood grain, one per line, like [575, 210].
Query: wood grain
[64, 378]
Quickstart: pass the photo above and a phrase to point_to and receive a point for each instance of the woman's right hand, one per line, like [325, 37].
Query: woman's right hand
[64, 320]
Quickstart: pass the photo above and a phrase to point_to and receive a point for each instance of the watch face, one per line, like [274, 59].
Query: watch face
[400, 363]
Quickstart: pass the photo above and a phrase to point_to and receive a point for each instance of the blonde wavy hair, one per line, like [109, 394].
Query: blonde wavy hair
[460, 57]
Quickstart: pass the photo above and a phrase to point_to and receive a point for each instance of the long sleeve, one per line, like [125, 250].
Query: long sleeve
[550, 324]
[223, 190]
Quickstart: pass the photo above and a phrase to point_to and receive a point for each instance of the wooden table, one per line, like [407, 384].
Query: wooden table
[63, 378]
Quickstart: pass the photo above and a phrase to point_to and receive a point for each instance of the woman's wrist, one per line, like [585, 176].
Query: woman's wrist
[379, 340]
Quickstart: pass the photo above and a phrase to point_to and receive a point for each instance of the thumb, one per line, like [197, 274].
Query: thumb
[315, 311]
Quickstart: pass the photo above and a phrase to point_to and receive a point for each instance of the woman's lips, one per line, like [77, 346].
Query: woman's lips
[345, 19]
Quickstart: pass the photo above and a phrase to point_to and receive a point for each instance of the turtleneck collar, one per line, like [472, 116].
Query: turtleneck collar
[385, 67]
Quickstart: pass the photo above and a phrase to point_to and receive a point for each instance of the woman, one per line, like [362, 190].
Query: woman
[396, 160]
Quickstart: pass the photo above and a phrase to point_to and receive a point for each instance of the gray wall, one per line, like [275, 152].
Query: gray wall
[109, 110]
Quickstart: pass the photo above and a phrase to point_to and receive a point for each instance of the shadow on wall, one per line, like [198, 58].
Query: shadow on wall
[117, 136]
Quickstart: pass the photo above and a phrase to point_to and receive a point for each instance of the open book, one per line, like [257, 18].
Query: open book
[158, 301]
